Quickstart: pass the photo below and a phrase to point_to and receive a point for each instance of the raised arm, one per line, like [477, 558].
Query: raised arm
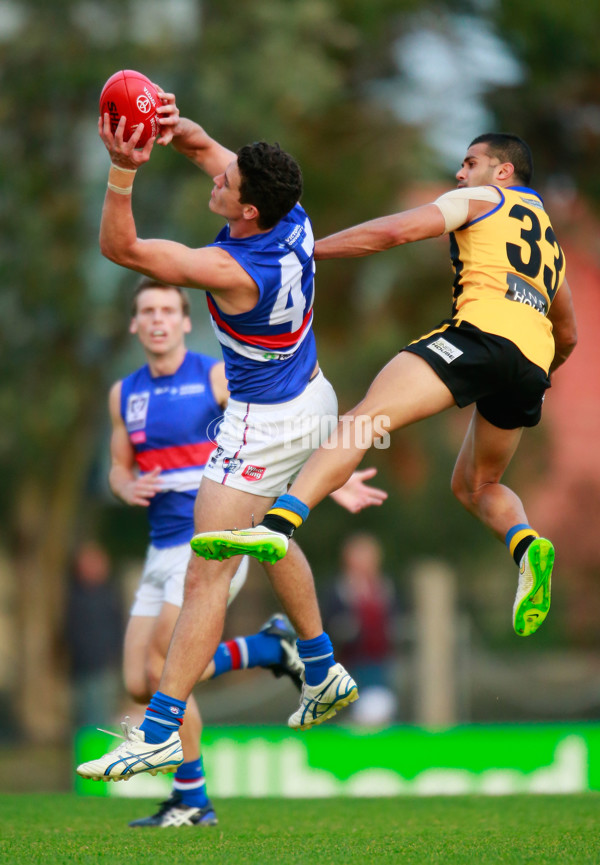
[167, 261]
[190, 138]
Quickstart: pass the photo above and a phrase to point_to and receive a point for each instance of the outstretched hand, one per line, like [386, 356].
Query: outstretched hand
[356, 494]
[123, 153]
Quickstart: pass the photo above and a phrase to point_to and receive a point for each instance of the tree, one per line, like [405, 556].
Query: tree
[297, 72]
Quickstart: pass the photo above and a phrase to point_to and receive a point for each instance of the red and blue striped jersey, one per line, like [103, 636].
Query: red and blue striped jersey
[170, 421]
[270, 351]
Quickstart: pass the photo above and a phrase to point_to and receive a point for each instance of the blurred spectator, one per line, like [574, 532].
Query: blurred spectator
[360, 615]
[94, 635]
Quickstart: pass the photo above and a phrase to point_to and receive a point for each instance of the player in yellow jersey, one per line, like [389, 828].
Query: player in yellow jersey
[512, 325]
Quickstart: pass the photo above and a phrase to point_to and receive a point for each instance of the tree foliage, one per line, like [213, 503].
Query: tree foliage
[556, 105]
[294, 72]
[304, 73]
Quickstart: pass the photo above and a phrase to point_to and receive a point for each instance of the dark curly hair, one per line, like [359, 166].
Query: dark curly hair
[270, 179]
[509, 148]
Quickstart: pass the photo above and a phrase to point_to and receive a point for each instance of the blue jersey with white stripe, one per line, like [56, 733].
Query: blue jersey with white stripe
[171, 420]
[270, 351]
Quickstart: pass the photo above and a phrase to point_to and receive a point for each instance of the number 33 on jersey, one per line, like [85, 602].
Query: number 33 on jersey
[524, 268]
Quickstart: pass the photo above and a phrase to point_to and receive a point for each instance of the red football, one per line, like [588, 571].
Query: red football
[131, 94]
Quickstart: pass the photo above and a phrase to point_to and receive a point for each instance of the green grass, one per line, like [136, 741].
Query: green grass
[545, 830]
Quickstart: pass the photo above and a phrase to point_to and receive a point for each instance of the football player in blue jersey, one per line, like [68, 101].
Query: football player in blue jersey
[258, 276]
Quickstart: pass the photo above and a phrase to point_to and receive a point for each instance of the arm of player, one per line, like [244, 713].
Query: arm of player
[447, 213]
[207, 268]
[123, 478]
[564, 325]
[190, 138]
[382, 233]
[218, 383]
[355, 494]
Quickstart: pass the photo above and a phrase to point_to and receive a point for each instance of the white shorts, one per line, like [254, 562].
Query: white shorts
[163, 579]
[261, 448]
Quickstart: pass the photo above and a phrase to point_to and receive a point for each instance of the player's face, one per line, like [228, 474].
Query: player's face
[160, 323]
[225, 196]
[478, 167]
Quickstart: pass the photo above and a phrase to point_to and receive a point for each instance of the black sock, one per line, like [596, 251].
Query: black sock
[521, 548]
[275, 523]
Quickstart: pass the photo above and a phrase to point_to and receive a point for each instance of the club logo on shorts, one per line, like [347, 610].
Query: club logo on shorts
[445, 349]
[232, 465]
[253, 473]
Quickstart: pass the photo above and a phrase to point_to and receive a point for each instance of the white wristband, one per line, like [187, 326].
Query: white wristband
[121, 190]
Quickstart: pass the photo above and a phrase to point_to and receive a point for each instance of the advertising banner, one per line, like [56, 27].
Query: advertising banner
[396, 761]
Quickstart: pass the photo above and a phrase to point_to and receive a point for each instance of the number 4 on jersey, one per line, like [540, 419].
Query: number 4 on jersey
[290, 302]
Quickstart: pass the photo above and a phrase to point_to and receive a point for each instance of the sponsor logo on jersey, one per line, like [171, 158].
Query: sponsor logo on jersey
[270, 355]
[294, 236]
[183, 390]
[138, 437]
[253, 473]
[532, 202]
[136, 411]
[445, 349]
[173, 390]
[521, 292]
[187, 389]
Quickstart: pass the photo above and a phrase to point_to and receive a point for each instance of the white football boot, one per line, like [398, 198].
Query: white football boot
[320, 702]
[133, 756]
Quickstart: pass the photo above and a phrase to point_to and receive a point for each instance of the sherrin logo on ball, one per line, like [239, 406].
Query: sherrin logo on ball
[129, 93]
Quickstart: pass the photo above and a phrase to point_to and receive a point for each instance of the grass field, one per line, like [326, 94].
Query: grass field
[545, 830]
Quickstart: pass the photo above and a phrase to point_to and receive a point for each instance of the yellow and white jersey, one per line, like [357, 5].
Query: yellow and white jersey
[508, 267]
